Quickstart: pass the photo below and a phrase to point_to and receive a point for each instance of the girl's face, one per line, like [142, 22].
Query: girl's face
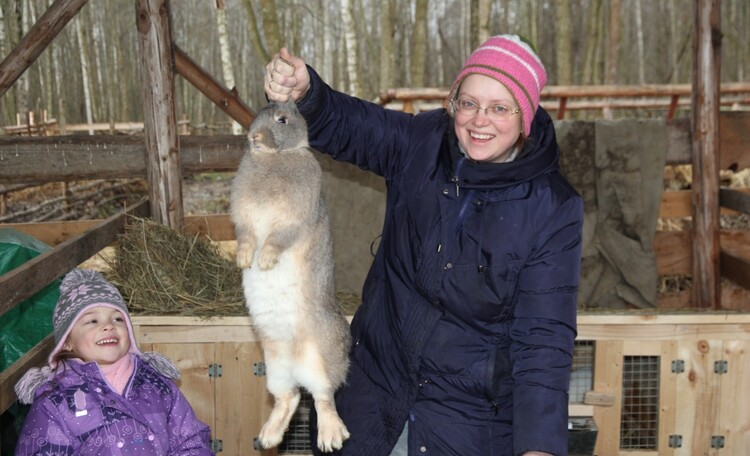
[100, 334]
[487, 138]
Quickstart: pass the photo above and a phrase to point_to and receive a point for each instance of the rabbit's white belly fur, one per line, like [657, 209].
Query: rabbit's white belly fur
[273, 296]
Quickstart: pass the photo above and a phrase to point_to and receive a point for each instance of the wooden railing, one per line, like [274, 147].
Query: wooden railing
[561, 99]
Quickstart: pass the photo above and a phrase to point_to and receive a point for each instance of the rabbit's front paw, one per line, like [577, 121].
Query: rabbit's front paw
[269, 256]
[245, 254]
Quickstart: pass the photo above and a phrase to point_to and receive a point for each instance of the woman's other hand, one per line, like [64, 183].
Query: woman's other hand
[286, 76]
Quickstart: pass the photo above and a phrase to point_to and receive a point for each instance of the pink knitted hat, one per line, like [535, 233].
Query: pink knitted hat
[512, 62]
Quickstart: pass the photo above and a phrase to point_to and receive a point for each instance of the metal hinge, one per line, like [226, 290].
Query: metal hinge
[721, 367]
[217, 446]
[717, 441]
[259, 369]
[214, 370]
[675, 441]
[678, 366]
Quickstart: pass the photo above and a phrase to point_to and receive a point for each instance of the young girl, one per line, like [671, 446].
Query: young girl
[99, 395]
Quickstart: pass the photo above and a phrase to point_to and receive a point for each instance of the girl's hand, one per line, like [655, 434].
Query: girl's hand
[286, 76]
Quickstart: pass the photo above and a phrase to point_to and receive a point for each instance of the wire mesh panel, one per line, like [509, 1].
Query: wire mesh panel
[639, 426]
[297, 438]
[581, 378]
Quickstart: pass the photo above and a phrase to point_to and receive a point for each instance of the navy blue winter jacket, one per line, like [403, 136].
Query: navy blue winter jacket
[468, 312]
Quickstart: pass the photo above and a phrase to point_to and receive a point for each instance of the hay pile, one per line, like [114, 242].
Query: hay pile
[161, 271]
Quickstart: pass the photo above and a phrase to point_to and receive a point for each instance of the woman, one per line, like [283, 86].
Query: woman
[463, 342]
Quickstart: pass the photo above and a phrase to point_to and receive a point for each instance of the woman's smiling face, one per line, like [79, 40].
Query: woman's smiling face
[483, 138]
[100, 334]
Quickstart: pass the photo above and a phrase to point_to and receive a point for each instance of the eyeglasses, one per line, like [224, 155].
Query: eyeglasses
[495, 112]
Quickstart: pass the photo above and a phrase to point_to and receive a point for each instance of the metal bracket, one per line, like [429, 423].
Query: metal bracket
[217, 446]
[678, 366]
[259, 369]
[717, 441]
[214, 370]
[721, 367]
[675, 441]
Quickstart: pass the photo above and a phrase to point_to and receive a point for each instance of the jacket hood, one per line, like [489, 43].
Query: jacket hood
[539, 156]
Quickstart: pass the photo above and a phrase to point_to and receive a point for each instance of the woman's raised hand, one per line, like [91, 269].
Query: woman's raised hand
[286, 76]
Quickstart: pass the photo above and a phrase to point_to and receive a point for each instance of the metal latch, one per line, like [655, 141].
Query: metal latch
[259, 369]
[721, 367]
[717, 441]
[678, 366]
[675, 441]
[217, 446]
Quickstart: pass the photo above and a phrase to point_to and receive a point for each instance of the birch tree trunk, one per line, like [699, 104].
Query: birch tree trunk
[261, 52]
[23, 95]
[419, 43]
[270, 27]
[351, 48]
[484, 8]
[639, 39]
[564, 48]
[593, 43]
[387, 51]
[227, 69]
[84, 73]
[613, 49]
[328, 50]
[532, 18]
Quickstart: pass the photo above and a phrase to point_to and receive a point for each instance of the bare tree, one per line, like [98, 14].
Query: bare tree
[419, 43]
[387, 51]
[613, 48]
[351, 48]
[227, 69]
[593, 44]
[85, 76]
[639, 42]
[564, 54]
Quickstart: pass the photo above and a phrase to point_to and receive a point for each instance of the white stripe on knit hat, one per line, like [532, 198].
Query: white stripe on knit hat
[518, 59]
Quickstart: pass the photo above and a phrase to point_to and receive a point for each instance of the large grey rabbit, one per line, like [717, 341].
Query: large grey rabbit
[284, 248]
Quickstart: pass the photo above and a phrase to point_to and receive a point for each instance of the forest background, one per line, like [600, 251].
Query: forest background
[90, 72]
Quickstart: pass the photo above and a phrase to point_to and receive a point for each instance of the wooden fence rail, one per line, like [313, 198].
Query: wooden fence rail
[562, 99]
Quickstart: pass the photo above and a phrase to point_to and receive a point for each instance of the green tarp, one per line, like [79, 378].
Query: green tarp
[27, 323]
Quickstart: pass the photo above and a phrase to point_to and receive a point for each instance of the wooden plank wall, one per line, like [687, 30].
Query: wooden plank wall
[695, 404]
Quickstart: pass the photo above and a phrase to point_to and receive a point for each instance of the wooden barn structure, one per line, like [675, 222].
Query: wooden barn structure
[699, 354]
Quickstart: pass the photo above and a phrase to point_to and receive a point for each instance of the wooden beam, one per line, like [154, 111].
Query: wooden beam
[736, 268]
[674, 253]
[159, 112]
[36, 40]
[570, 91]
[35, 357]
[24, 281]
[705, 138]
[735, 199]
[227, 100]
[65, 158]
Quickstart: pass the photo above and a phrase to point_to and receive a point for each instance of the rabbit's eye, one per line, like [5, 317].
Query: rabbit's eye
[282, 120]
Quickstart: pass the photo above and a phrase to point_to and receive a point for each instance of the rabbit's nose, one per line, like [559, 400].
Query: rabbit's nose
[257, 136]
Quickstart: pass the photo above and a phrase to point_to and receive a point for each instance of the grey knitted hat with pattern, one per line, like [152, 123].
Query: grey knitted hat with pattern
[79, 290]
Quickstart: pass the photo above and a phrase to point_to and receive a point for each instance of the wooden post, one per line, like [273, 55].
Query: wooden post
[706, 290]
[160, 113]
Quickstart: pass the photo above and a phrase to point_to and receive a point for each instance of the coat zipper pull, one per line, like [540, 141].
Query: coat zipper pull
[455, 181]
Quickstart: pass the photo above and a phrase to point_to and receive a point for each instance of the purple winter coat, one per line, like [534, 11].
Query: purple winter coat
[77, 413]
